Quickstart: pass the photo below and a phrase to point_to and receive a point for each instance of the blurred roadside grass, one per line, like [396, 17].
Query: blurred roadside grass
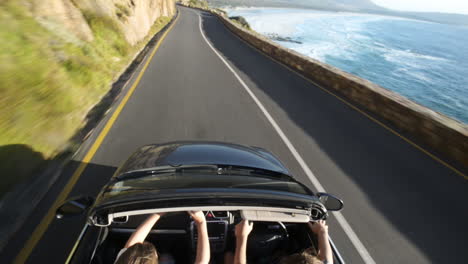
[48, 84]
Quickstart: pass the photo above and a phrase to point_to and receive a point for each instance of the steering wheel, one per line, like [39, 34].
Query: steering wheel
[266, 239]
[318, 212]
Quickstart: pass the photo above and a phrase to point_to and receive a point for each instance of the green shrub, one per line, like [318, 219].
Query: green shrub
[198, 3]
[241, 21]
[48, 84]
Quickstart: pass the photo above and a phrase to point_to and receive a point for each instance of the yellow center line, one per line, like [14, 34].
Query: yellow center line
[44, 224]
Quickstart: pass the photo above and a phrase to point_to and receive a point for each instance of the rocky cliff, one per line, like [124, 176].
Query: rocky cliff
[67, 17]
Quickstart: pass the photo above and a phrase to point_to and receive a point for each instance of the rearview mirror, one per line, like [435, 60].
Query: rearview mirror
[330, 202]
[74, 207]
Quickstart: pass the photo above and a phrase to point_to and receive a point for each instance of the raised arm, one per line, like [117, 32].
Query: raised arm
[320, 228]
[242, 232]
[143, 230]
[203, 243]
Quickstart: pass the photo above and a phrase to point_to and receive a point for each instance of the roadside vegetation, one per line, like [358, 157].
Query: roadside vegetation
[198, 4]
[220, 11]
[50, 80]
[240, 20]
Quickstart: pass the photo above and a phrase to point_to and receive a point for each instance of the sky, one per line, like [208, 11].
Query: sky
[445, 6]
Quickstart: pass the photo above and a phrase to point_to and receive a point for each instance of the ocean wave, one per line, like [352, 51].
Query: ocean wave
[399, 54]
[408, 56]
[287, 21]
[320, 50]
[417, 75]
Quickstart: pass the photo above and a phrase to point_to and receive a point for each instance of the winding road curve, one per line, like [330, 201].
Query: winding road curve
[204, 83]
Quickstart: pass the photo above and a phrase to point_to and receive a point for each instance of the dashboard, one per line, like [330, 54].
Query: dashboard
[176, 232]
[272, 228]
[218, 225]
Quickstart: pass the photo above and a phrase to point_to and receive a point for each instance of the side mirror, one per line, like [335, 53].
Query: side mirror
[330, 202]
[74, 207]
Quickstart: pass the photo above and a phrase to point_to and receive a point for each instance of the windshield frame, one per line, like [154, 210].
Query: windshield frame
[210, 197]
[218, 194]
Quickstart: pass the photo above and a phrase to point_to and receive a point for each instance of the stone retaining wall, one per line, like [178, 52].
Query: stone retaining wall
[440, 133]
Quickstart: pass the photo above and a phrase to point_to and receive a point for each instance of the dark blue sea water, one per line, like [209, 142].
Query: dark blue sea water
[425, 62]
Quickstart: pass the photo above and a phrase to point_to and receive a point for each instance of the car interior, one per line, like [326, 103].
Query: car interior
[175, 234]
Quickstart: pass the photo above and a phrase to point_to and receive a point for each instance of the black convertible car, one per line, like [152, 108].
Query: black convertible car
[228, 182]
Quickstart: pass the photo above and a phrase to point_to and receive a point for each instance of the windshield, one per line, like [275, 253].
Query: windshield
[167, 181]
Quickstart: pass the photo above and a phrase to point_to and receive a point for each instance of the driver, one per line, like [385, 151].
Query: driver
[138, 251]
[319, 228]
[324, 254]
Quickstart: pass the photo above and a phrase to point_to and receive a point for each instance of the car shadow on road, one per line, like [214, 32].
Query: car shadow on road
[423, 200]
[18, 162]
[89, 183]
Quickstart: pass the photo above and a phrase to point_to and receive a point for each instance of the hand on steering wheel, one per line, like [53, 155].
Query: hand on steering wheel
[319, 227]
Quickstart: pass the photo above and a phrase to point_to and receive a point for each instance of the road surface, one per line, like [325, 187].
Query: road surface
[403, 206]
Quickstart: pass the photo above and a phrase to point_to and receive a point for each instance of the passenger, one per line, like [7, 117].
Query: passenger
[309, 256]
[242, 232]
[203, 243]
[138, 251]
[324, 254]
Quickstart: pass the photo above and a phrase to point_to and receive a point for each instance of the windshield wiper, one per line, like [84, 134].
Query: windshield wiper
[198, 168]
[135, 174]
[257, 171]
[247, 185]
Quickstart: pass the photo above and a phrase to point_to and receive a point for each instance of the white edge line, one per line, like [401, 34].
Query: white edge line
[75, 246]
[318, 186]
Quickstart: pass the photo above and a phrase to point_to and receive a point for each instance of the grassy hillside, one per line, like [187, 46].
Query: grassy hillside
[49, 80]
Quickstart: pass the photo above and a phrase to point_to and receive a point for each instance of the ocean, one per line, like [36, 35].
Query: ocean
[423, 61]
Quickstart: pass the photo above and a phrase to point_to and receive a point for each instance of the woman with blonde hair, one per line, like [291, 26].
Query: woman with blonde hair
[309, 256]
[138, 251]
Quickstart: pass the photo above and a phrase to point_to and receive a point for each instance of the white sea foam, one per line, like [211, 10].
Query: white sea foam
[367, 45]
[279, 21]
[321, 30]
[409, 58]
[417, 75]
[322, 33]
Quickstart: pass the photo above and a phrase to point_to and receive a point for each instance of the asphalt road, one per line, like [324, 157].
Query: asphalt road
[403, 206]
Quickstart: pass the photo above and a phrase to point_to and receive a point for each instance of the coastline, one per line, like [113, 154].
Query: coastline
[429, 78]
